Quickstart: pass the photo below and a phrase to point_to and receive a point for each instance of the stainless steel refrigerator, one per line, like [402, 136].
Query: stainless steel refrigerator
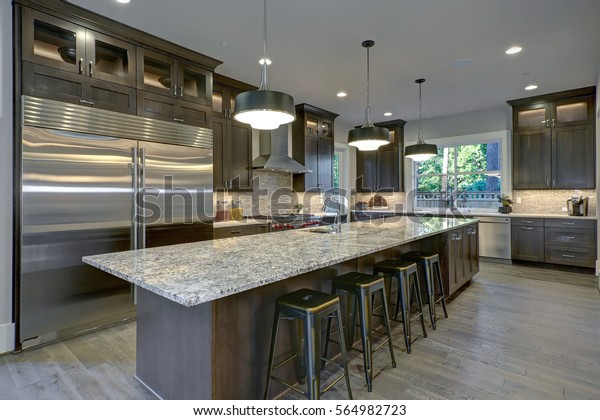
[90, 185]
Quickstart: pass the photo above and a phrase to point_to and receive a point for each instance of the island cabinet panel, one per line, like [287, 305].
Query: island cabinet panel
[554, 140]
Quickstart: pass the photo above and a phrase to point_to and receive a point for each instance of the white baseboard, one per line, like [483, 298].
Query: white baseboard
[7, 338]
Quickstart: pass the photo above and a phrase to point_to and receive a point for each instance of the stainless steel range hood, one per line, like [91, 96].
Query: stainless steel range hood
[274, 154]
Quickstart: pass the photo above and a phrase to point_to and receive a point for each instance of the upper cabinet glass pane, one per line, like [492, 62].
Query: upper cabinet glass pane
[392, 136]
[194, 84]
[573, 112]
[55, 43]
[312, 126]
[112, 60]
[157, 73]
[217, 102]
[326, 130]
[532, 118]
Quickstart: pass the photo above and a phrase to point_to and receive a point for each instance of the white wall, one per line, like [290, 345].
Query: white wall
[6, 165]
[484, 121]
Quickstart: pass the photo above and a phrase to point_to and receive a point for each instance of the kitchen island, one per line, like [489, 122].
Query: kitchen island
[205, 309]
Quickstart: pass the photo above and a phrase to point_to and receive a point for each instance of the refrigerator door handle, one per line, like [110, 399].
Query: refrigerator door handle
[135, 184]
[142, 226]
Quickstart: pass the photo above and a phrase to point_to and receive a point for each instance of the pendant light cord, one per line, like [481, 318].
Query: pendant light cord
[264, 80]
[368, 122]
[420, 136]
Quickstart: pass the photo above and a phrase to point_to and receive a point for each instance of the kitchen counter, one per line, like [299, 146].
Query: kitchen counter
[194, 273]
[205, 309]
[496, 214]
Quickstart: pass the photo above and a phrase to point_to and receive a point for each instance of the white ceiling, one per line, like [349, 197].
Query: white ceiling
[316, 48]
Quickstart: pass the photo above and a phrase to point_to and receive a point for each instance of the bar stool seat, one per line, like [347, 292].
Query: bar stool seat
[430, 262]
[362, 289]
[407, 276]
[309, 307]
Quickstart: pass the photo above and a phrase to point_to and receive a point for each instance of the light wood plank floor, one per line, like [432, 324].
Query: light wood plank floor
[513, 333]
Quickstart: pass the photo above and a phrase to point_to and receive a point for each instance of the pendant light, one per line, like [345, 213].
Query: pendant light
[420, 151]
[264, 109]
[368, 137]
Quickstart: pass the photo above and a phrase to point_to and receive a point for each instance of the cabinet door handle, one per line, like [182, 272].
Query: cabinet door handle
[568, 256]
[91, 66]
[547, 183]
[526, 228]
[180, 120]
[554, 182]
[527, 221]
[547, 123]
[84, 102]
[553, 122]
[568, 223]
[181, 91]
[567, 237]
[174, 90]
[81, 66]
[234, 232]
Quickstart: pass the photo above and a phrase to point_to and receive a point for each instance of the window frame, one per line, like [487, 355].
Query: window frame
[501, 137]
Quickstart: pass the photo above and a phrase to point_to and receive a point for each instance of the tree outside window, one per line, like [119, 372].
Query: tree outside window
[466, 176]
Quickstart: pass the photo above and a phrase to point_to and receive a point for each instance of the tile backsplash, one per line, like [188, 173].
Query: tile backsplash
[549, 201]
[395, 201]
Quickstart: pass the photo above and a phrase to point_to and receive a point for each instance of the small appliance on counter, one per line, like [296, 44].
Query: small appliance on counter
[577, 206]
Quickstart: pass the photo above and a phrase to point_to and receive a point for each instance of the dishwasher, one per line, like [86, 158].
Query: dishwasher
[494, 237]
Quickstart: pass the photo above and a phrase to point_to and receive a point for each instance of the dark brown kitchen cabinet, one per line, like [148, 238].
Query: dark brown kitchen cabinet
[382, 170]
[313, 146]
[554, 140]
[527, 239]
[232, 140]
[239, 230]
[63, 45]
[59, 85]
[463, 257]
[171, 109]
[164, 75]
[570, 242]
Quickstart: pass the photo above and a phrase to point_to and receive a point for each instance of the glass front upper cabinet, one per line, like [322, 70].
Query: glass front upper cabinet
[161, 74]
[66, 46]
[536, 116]
[573, 111]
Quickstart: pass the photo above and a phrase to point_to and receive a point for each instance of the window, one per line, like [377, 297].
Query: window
[462, 176]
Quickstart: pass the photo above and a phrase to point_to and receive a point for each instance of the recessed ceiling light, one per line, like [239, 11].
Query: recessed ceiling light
[513, 50]
[387, 114]
[531, 87]
[225, 44]
[342, 94]
[123, 1]
[262, 61]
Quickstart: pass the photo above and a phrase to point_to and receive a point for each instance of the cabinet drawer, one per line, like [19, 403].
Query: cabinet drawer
[571, 223]
[580, 257]
[527, 221]
[583, 238]
[230, 232]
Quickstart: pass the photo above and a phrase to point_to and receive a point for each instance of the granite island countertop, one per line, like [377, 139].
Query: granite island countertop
[198, 272]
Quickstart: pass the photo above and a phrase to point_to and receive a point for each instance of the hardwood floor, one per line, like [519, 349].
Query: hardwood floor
[514, 333]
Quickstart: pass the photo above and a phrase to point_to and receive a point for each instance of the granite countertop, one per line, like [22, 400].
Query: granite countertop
[532, 215]
[198, 272]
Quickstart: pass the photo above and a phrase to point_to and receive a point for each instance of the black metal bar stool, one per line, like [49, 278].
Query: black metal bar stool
[408, 282]
[430, 262]
[310, 307]
[362, 288]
